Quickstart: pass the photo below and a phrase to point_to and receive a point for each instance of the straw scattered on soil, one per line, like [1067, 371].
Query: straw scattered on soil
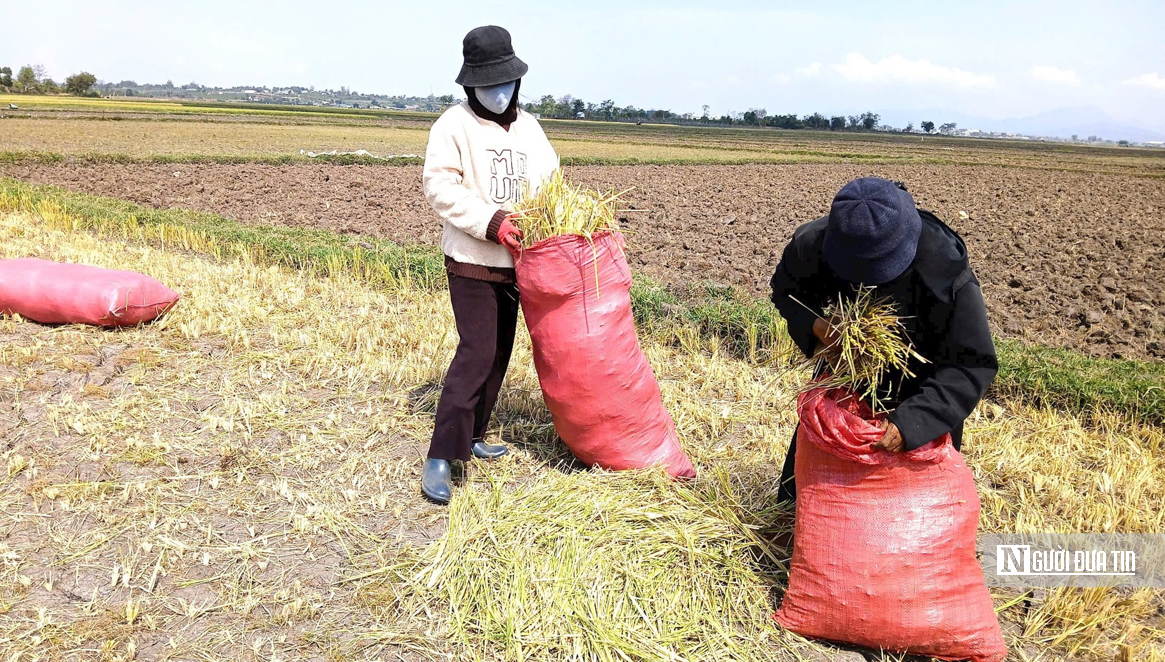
[239, 481]
[606, 566]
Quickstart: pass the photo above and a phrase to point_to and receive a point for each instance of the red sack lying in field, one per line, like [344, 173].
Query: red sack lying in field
[54, 293]
[884, 543]
[595, 380]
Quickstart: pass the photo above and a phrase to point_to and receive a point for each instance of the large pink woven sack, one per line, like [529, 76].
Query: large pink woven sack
[55, 293]
[598, 385]
[884, 543]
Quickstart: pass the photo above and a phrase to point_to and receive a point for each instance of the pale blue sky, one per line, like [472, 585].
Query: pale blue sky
[985, 59]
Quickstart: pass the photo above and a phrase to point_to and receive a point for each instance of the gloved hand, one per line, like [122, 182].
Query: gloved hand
[509, 235]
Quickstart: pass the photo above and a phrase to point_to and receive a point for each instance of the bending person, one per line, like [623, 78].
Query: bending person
[875, 236]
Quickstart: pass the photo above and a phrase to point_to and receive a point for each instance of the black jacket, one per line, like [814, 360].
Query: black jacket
[945, 317]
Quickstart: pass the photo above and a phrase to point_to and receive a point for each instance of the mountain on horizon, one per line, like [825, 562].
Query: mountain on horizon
[1081, 121]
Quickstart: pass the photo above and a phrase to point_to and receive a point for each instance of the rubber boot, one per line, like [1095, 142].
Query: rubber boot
[435, 481]
[486, 451]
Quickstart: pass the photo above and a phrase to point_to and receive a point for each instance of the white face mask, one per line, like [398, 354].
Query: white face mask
[496, 98]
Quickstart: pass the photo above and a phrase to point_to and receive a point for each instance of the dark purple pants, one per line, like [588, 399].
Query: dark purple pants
[487, 316]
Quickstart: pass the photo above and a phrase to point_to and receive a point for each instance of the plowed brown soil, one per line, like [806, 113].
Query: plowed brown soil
[1066, 259]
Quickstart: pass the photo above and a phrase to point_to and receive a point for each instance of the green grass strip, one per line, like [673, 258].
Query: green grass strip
[377, 260]
[778, 158]
[52, 158]
[740, 324]
[1070, 380]
[37, 158]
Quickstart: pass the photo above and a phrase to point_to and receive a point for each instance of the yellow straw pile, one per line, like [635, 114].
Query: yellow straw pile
[605, 567]
[561, 208]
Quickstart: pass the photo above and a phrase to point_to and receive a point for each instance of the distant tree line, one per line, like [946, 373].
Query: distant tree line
[568, 107]
[32, 79]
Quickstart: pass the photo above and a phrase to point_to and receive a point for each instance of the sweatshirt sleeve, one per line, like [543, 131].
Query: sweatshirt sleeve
[450, 198]
[964, 369]
[793, 279]
[550, 157]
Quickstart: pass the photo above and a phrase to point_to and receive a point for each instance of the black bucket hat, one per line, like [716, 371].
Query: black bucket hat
[489, 58]
[872, 233]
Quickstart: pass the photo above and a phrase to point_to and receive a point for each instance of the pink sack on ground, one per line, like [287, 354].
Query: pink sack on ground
[598, 385]
[884, 543]
[55, 293]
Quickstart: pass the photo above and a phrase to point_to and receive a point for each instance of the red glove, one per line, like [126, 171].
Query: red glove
[509, 235]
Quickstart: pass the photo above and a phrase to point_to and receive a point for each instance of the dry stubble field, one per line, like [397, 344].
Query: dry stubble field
[239, 480]
[233, 482]
[1067, 259]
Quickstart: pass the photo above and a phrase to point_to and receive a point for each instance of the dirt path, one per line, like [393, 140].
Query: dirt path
[1068, 259]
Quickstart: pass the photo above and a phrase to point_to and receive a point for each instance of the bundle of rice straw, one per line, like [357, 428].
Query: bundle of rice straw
[561, 208]
[872, 343]
[602, 566]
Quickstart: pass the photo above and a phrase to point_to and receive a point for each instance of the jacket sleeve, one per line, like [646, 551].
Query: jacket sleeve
[454, 202]
[964, 369]
[794, 279]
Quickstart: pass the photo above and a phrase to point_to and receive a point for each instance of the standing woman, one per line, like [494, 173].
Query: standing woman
[483, 155]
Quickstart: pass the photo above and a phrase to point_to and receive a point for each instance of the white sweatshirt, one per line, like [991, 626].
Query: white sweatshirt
[473, 168]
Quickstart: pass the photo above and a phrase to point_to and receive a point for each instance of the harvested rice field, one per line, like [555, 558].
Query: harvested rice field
[239, 481]
[1066, 259]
